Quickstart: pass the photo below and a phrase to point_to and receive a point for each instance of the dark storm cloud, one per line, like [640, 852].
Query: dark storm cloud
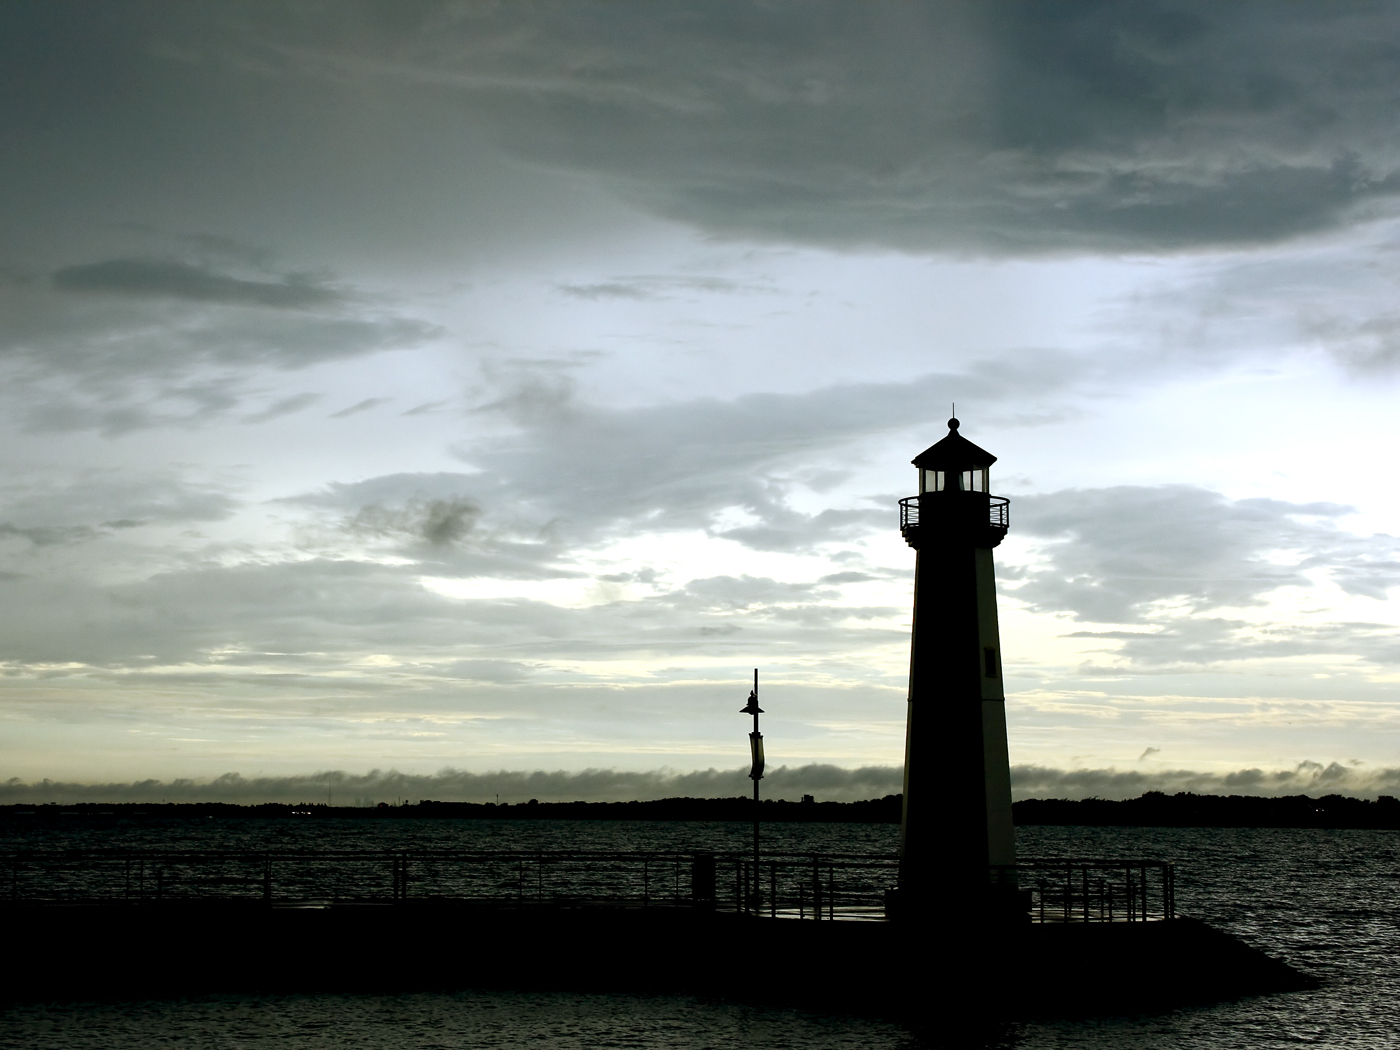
[999, 125]
[178, 280]
[1111, 553]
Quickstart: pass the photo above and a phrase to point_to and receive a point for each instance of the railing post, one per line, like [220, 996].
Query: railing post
[267, 879]
[702, 881]
[816, 888]
[772, 889]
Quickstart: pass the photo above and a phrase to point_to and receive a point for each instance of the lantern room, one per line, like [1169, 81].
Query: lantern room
[954, 464]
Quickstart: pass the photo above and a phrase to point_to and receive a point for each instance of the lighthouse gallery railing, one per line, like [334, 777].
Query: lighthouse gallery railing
[998, 512]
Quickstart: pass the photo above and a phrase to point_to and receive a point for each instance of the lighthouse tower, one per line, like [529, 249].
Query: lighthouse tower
[957, 781]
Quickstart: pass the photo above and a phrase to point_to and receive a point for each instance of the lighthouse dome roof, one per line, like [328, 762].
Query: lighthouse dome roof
[953, 453]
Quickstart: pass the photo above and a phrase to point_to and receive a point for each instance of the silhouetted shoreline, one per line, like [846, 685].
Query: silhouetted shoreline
[1185, 810]
[1154, 809]
[874, 811]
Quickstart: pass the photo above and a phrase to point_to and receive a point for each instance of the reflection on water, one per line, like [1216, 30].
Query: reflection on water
[390, 833]
[466, 1020]
[1325, 900]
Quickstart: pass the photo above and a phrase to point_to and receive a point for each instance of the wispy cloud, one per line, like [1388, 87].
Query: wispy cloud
[285, 406]
[361, 406]
[178, 280]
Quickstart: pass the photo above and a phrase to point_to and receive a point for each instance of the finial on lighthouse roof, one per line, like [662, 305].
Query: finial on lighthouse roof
[953, 423]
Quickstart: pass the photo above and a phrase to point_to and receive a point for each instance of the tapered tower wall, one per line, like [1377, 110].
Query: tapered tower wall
[957, 786]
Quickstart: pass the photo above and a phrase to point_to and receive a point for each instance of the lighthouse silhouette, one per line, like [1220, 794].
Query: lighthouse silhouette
[957, 841]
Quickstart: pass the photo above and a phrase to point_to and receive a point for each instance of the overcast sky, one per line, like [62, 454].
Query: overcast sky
[494, 385]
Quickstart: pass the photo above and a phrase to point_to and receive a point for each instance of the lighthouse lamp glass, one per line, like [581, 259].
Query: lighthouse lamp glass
[965, 481]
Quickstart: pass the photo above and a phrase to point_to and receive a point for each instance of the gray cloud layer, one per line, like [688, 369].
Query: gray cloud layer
[1161, 558]
[179, 280]
[940, 124]
[1114, 552]
[997, 125]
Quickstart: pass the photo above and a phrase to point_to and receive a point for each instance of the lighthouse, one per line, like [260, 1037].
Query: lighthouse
[957, 841]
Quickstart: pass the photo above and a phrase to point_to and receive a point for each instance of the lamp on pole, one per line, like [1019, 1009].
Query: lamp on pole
[755, 770]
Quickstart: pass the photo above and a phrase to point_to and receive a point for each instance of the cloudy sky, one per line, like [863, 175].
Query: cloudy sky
[492, 386]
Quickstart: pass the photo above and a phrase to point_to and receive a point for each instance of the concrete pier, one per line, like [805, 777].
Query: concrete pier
[199, 947]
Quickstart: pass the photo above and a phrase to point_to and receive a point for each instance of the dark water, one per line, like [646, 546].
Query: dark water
[1325, 900]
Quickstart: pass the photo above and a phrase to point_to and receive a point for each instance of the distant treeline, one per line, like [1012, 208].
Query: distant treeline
[874, 811]
[1185, 810]
[1154, 809]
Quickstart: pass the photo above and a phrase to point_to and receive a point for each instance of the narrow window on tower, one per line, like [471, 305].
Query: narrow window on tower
[989, 657]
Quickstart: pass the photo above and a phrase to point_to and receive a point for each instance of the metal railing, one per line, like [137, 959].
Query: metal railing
[998, 512]
[812, 886]
[1064, 890]
[781, 885]
[557, 876]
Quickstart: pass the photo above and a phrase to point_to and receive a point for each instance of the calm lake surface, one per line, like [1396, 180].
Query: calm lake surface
[1327, 901]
